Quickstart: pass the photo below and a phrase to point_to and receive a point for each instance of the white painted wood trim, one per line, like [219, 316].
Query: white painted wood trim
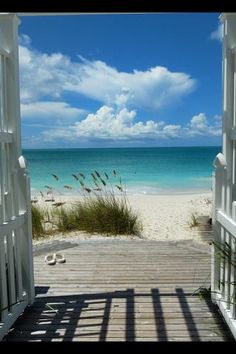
[11, 270]
[233, 49]
[3, 282]
[228, 223]
[228, 240]
[4, 52]
[26, 231]
[215, 264]
[18, 262]
[226, 313]
[12, 317]
[79, 13]
[6, 137]
[34, 14]
[232, 282]
[233, 272]
[16, 223]
[233, 133]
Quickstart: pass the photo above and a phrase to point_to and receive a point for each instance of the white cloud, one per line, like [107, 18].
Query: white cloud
[42, 75]
[200, 126]
[46, 78]
[153, 88]
[218, 33]
[171, 131]
[24, 39]
[199, 122]
[109, 124]
[49, 76]
[51, 111]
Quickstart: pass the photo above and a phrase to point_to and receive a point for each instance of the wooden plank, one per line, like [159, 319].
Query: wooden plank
[4, 52]
[84, 299]
[222, 263]
[6, 137]
[121, 272]
[228, 223]
[78, 327]
[87, 331]
[11, 272]
[139, 286]
[18, 265]
[99, 276]
[99, 310]
[4, 96]
[27, 250]
[100, 288]
[121, 306]
[1, 93]
[73, 318]
[149, 258]
[151, 275]
[233, 281]
[82, 266]
[94, 338]
[106, 285]
[226, 313]
[233, 258]
[15, 223]
[3, 282]
[75, 305]
[2, 179]
[37, 314]
[12, 317]
[228, 271]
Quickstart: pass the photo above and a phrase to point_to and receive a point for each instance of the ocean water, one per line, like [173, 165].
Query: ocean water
[142, 170]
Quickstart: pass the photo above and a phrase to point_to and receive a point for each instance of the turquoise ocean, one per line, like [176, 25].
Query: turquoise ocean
[158, 170]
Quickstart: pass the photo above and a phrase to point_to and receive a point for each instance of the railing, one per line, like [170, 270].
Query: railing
[223, 284]
[16, 268]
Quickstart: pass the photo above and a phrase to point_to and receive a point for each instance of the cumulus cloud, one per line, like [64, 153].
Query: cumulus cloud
[218, 33]
[106, 124]
[49, 76]
[51, 111]
[199, 126]
[24, 39]
[42, 75]
[153, 88]
[171, 131]
[113, 125]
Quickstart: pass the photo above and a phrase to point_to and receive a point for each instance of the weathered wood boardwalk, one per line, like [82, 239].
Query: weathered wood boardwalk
[116, 290]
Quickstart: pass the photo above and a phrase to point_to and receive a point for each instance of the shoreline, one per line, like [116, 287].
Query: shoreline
[169, 192]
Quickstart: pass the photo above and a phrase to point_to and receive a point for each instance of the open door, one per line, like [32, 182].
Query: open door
[223, 283]
[16, 263]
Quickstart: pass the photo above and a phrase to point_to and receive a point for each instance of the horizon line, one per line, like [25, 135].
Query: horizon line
[125, 147]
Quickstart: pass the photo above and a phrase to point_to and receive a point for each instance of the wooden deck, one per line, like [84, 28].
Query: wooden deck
[116, 290]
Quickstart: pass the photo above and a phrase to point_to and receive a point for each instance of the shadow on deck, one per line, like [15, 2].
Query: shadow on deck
[154, 307]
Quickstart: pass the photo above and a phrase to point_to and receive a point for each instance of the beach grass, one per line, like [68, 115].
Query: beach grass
[193, 222]
[100, 210]
[107, 214]
[99, 214]
[38, 218]
[65, 219]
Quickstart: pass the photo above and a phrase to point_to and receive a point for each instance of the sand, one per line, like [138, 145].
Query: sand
[164, 217]
[168, 217]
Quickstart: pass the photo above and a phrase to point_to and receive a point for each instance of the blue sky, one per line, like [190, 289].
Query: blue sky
[120, 80]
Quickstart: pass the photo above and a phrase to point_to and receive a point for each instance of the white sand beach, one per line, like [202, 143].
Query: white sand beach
[167, 217]
[164, 217]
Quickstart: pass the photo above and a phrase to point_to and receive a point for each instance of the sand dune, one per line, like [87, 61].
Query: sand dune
[164, 217]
